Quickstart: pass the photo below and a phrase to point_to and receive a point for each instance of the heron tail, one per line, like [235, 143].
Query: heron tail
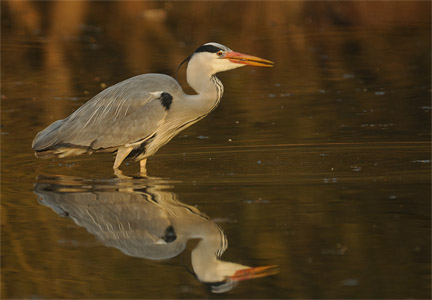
[47, 138]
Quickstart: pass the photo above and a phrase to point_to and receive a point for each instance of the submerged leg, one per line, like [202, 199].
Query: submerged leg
[122, 153]
[143, 169]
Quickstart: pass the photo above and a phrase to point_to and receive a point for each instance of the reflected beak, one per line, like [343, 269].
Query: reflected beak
[252, 273]
[240, 58]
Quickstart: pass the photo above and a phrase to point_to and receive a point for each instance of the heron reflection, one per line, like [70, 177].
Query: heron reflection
[143, 218]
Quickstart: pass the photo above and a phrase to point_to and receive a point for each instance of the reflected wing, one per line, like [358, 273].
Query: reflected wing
[128, 221]
[124, 113]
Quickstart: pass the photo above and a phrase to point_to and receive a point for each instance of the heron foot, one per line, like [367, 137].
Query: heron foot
[119, 174]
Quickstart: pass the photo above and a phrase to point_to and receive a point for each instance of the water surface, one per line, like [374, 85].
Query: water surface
[320, 165]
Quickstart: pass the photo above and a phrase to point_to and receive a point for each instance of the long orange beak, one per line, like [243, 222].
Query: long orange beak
[252, 273]
[240, 58]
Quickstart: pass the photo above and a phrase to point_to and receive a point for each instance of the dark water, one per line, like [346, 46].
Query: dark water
[320, 165]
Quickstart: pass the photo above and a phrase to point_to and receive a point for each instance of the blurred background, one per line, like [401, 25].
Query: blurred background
[320, 165]
[74, 49]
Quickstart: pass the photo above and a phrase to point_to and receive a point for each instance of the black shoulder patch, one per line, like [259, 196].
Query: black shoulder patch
[166, 100]
[208, 48]
[170, 235]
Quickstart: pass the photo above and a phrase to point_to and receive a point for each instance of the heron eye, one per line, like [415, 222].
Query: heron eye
[219, 53]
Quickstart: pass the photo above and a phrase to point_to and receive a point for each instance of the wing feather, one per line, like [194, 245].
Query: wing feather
[124, 113]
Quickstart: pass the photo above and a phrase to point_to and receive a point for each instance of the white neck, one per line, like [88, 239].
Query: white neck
[201, 78]
[205, 256]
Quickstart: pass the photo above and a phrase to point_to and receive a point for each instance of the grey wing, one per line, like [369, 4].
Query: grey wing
[122, 114]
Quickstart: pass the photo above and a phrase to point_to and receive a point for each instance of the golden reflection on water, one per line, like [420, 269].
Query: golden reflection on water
[321, 166]
[143, 219]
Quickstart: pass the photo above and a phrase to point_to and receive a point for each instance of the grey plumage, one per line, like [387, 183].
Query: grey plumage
[125, 113]
[127, 220]
[140, 220]
[145, 219]
[139, 115]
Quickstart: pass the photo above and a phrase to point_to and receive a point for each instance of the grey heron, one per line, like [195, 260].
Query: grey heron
[145, 219]
[137, 116]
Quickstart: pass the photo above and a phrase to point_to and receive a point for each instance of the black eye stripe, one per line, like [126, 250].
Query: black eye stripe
[203, 48]
[208, 48]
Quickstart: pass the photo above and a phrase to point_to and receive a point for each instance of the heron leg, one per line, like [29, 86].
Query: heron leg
[143, 169]
[122, 153]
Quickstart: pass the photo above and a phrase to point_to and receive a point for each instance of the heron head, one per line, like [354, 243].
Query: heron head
[219, 58]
